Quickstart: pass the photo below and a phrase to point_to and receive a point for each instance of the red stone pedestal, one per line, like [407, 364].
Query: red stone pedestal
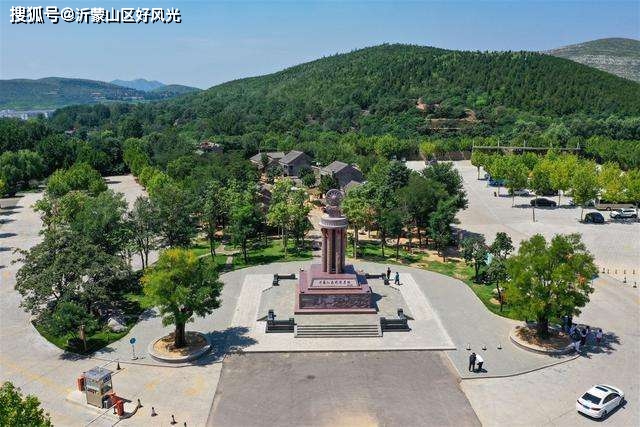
[322, 292]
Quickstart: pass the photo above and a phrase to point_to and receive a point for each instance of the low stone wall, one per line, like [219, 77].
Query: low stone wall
[513, 336]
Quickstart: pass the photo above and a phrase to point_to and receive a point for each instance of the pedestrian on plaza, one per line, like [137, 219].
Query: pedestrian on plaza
[397, 278]
[598, 336]
[576, 345]
[572, 331]
[472, 362]
[480, 361]
[388, 273]
[583, 336]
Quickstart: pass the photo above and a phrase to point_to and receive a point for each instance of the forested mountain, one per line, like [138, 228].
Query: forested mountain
[56, 92]
[615, 55]
[174, 90]
[139, 84]
[369, 87]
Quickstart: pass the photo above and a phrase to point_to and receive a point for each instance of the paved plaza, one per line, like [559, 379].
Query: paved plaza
[445, 311]
[615, 245]
[340, 389]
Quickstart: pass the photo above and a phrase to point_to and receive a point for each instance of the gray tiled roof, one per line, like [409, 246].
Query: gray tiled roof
[336, 166]
[273, 155]
[291, 156]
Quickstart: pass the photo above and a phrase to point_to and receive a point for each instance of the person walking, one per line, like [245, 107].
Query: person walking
[479, 361]
[598, 336]
[397, 281]
[388, 273]
[583, 336]
[472, 362]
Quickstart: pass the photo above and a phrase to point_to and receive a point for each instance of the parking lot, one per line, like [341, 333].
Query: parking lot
[615, 245]
[404, 388]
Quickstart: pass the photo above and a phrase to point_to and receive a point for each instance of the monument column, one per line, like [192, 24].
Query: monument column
[338, 254]
[344, 247]
[324, 250]
[330, 247]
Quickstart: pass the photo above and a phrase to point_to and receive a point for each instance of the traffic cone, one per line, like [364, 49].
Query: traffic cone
[468, 346]
[153, 412]
[118, 366]
[139, 404]
[499, 346]
[484, 347]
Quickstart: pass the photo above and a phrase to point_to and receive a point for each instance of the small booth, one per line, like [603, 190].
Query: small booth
[98, 387]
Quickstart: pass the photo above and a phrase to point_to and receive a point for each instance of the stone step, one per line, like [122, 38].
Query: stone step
[338, 331]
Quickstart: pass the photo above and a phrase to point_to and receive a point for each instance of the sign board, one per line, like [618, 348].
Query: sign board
[132, 341]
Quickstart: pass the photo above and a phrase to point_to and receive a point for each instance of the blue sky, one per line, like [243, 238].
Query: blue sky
[221, 41]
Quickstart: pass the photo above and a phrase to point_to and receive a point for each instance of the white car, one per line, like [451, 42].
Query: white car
[523, 192]
[599, 401]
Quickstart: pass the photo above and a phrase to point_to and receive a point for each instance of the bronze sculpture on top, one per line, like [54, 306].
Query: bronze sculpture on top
[333, 286]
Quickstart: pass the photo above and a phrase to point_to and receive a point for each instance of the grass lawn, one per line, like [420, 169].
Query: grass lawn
[95, 342]
[452, 267]
[259, 253]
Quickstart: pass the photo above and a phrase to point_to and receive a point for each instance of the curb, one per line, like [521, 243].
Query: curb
[568, 349]
[183, 359]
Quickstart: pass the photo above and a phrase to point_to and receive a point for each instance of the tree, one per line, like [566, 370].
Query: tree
[516, 175]
[474, 249]
[307, 177]
[144, 222]
[562, 173]
[611, 181]
[80, 176]
[358, 210]
[584, 184]
[288, 211]
[214, 211]
[327, 182]
[68, 318]
[175, 208]
[548, 281]
[440, 224]
[66, 266]
[541, 176]
[18, 168]
[420, 199]
[19, 410]
[501, 247]
[632, 187]
[446, 174]
[498, 169]
[478, 159]
[390, 225]
[182, 286]
[244, 219]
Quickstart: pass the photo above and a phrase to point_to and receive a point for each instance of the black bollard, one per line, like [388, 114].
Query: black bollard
[139, 404]
[118, 366]
[153, 412]
[173, 420]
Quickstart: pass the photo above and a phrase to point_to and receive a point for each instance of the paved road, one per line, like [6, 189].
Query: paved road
[547, 397]
[339, 389]
[616, 246]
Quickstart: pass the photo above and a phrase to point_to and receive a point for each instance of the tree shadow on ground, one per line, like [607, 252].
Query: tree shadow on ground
[8, 212]
[93, 345]
[609, 344]
[230, 340]
[147, 314]
[5, 235]
[112, 181]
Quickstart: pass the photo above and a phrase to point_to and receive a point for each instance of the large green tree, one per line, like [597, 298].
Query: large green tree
[182, 286]
[175, 210]
[80, 176]
[144, 223]
[474, 249]
[584, 184]
[67, 266]
[19, 410]
[548, 280]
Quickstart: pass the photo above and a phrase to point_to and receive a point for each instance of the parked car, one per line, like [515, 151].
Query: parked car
[603, 205]
[624, 214]
[599, 401]
[541, 201]
[594, 217]
[523, 192]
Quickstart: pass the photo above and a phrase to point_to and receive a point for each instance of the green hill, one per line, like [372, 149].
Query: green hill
[57, 92]
[614, 55]
[173, 90]
[139, 84]
[379, 87]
